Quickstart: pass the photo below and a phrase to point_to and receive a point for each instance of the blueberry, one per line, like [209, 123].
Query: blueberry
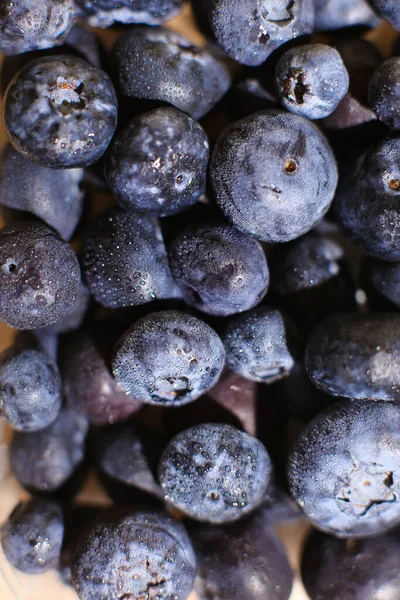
[250, 31]
[388, 10]
[344, 468]
[338, 14]
[311, 80]
[258, 344]
[60, 112]
[273, 175]
[103, 13]
[244, 560]
[350, 569]
[157, 64]
[39, 276]
[134, 554]
[27, 25]
[157, 165]
[168, 358]
[367, 200]
[124, 260]
[89, 385]
[53, 195]
[45, 461]
[214, 473]
[383, 92]
[32, 535]
[30, 387]
[220, 270]
[356, 356]
[384, 278]
[360, 58]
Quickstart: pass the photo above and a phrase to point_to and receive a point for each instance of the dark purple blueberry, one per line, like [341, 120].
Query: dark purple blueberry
[158, 164]
[344, 469]
[134, 554]
[60, 112]
[384, 92]
[39, 276]
[103, 13]
[273, 175]
[361, 58]
[214, 473]
[157, 64]
[384, 278]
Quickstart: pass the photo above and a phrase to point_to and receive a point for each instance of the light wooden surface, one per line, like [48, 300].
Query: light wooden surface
[17, 586]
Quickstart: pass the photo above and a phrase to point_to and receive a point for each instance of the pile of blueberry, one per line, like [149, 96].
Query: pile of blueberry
[202, 259]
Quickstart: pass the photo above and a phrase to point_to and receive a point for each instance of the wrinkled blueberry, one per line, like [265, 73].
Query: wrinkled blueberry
[134, 554]
[168, 358]
[27, 25]
[258, 344]
[103, 13]
[53, 195]
[344, 468]
[273, 175]
[124, 260]
[250, 31]
[214, 473]
[45, 461]
[60, 112]
[220, 270]
[32, 535]
[311, 80]
[39, 276]
[30, 387]
[158, 64]
[158, 163]
[384, 92]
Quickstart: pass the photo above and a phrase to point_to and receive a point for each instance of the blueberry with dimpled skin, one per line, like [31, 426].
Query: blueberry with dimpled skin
[103, 13]
[131, 553]
[39, 276]
[250, 31]
[168, 358]
[220, 270]
[27, 25]
[32, 536]
[157, 164]
[344, 469]
[311, 80]
[273, 175]
[214, 473]
[61, 112]
[157, 64]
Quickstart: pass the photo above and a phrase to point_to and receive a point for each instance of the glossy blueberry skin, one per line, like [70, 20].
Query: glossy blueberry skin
[273, 175]
[103, 13]
[124, 260]
[60, 112]
[214, 473]
[168, 358]
[220, 270]
[351, 569]
[27, 25]
[367, 201]
[388, 10]
[145, 58]
[134, 553]
[384, 92]
[30, 387]
[32, 536]
[384, 278]
[45, 461]
[338, 14]
[244, 560]
[39, 276]
[53, 195]
[311, 80]
[343, 470]
[250, 31]
[356, 356]
[258, 344]
[158, 164]
[89, 385]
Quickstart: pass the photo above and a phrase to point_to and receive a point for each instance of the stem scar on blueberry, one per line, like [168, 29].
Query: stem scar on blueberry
[294, 86]
[394, 184]
[66, 95]
[290, 166]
